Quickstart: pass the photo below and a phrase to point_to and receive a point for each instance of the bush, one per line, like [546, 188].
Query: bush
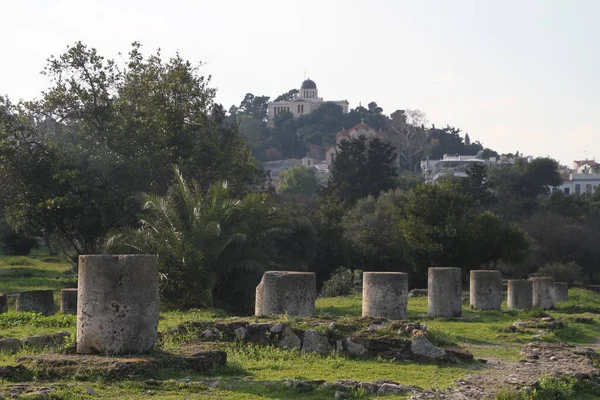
[339, 284]
[562, 272]
[16, 244]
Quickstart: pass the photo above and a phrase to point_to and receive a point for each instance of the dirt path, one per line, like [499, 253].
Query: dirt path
[538, 359]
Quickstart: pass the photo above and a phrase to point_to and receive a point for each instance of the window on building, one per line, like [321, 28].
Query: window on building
[567, 190]
[577, 188]
[594, 188]
[588, 188]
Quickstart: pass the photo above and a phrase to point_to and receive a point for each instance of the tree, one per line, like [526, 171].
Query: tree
[297, 180]
[361, 168]
[254, 106]
[518, 186]
[475, 184]
[284, 136]
[211, 246]
[493, 240]
[101, 135]
[443, 229]
[372, 231]
[409, 137]
[287, 96]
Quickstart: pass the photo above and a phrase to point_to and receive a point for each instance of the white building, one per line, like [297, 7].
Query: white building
[580, 183]
[457, 165]
[306, 102]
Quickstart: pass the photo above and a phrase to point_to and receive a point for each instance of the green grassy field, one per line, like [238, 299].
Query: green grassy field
[255, 372]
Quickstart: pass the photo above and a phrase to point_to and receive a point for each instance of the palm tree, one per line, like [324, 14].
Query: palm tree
[206, 242]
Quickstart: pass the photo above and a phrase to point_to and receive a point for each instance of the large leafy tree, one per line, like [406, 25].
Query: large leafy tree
[74, 162]
[518, 187]
[372, 231]
[297, 180]
[362, 167]
[212, 246]
[443, 229]
[254, 106]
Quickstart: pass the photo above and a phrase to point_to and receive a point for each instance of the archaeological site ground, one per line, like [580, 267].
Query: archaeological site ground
[478, 352]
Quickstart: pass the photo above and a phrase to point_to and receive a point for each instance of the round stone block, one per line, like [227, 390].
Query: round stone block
[68, 301]
[117, 304]
[543, 292]
[385, 294]
[3, 303]
[41, 301]
[444, 295]
[561, 291]
[486, 289]
[286, 292]
[520, 294]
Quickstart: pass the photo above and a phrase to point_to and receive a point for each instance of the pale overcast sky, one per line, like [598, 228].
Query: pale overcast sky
[515, 74]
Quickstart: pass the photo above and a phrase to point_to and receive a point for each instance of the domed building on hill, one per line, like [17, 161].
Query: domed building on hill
[306, 102]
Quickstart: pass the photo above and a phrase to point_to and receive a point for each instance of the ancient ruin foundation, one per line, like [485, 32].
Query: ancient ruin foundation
[68, 301]
[41, 301]
[486, 290]
[281, 292]
[543, 292]
[3, 303]
[385, 294]
[520, 294]
[561, 292]
[444, 292]
[117, 304]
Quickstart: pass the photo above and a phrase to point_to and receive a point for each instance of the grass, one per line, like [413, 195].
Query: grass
[255, 372]
[555, 388]
[34, 272]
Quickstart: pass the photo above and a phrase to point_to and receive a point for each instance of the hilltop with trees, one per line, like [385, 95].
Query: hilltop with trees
[90, 164]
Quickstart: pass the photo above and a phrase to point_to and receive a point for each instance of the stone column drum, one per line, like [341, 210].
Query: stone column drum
[444, 292]
[561, 291]
[543, 292]
[281, 292]
[68, 301]
[117, 304]
[520, 294]
[3, 303]
[486, 289]
[385, 294]
[41, 301]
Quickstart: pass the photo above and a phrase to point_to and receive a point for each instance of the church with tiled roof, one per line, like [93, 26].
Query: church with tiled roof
[361, 129]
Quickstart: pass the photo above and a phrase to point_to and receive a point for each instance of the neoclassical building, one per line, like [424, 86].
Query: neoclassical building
[361, 129]
[306, 102]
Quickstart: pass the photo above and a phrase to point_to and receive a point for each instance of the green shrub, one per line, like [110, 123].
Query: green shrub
[16, 244]
[551, 388]
[339, 284]
[562, 272]
[13, 262]
[54, 260]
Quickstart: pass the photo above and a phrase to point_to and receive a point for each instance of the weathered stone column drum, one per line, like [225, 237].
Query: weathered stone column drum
[68, 301]
[543, 292]
[117, 304]
[385, 294]
[41, 301]
[3, 303]
[520, 294]
[444, 292]
[486, 289]
[561, 292]
[281, 292]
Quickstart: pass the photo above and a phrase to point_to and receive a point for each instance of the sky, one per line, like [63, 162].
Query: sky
[516, 75]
